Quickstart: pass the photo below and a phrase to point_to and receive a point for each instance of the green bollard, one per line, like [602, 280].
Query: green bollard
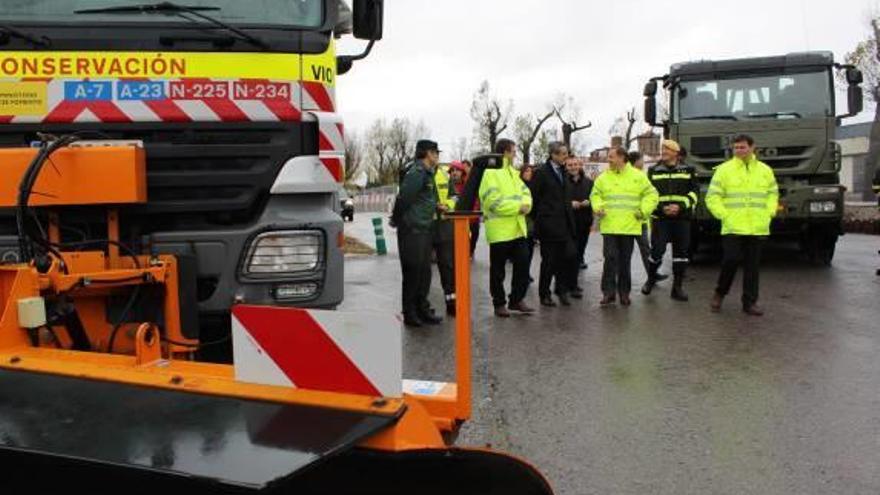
[381, 248]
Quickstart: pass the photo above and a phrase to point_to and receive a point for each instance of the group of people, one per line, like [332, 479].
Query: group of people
[554, 205]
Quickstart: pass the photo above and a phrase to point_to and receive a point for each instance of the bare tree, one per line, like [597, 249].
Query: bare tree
[354, 156]
[526, 129]
[569, 113]
[631, 122]
[541, 149]
[400, 140]
[491, 116]
[378, 150]
[460, 149]
[623, 128]
[866, 56]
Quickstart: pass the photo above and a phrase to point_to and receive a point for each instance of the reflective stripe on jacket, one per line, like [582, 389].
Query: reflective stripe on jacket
[622, 195]
[502, 195]
[744, 195]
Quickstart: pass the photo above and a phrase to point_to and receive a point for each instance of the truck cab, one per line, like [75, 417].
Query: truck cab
[234, 104]
[787, 104]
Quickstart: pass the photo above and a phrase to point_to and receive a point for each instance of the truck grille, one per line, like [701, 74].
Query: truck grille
[211, 173]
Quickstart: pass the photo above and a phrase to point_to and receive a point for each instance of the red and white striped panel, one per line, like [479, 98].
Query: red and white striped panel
[329, 351]
[331, 142]
[258, 107]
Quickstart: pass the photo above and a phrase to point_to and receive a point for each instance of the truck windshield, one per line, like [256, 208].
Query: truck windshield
[300, 13]
[789, 96]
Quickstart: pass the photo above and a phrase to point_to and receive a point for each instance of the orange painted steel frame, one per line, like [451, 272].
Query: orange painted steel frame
[77, 176]
[451, 409]
[145, 362]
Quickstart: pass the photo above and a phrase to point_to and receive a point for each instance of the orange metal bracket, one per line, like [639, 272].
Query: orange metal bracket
[452, 404]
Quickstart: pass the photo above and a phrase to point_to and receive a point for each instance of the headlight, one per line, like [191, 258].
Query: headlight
[826, 190]
[285, 252]
[823, 207]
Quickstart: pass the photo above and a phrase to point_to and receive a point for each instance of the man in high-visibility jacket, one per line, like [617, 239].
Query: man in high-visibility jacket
[506, 201]
[444, 247]
[677, 185]
[622, 198]
[744, 195]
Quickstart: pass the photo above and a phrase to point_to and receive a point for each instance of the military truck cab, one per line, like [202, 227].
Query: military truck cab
[787, 104]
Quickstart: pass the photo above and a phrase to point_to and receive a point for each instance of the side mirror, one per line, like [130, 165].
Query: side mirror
[651, 110]
[650, 88]
[855, 98]
[367, 23]
[854, 76]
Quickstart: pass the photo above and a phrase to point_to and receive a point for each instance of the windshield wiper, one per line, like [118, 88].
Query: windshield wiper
[711, 117]
[181, 10]
[774, 114]
[11, 32]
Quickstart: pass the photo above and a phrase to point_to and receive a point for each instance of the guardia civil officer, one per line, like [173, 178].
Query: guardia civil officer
[417, 210]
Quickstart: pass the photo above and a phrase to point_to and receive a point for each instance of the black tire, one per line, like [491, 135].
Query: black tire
[820, 247]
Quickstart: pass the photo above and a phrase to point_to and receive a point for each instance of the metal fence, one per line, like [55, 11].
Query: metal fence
[376, 199]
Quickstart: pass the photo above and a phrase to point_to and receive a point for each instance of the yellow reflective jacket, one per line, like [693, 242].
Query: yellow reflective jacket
[622, 195]
[502, 194]
[744, 195]
[441, 180]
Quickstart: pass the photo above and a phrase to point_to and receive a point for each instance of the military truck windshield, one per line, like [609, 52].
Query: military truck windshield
[789, 96]
[300, 13]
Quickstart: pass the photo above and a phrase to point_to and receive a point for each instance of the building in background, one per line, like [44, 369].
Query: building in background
[854, 173]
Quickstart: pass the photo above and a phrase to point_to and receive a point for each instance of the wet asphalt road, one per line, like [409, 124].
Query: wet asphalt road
[666, 397]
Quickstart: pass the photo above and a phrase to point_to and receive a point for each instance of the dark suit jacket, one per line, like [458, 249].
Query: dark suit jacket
[551, 205]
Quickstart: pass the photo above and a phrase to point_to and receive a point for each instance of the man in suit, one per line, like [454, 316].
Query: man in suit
[554, 225]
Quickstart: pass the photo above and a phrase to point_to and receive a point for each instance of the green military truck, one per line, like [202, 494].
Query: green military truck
[787, 103]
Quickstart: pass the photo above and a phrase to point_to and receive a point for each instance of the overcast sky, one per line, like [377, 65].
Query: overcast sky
[435, 53]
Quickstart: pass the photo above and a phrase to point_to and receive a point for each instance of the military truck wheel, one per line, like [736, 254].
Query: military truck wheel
[821, 247]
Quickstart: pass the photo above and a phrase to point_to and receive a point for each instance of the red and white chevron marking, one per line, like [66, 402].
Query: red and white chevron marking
[329, 351]
[331, 142]
[306, 96]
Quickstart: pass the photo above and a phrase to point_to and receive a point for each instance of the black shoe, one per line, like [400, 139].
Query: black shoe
[576, 294]
[679, 294]
[548, 301]
[661, 277]
[607, 301]
[563, 299]
[521, 307]
[430, 318]
[413, 321]
[649, 286]
[450, 308]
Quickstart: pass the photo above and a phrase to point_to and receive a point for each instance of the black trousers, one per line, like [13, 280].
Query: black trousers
[678, 232]
[475, 236]
[556, 262]
[742, 250]
[444, 249]
[517, 252]
[644, 243]
[580, 248]
[617, 272]
[415, 265]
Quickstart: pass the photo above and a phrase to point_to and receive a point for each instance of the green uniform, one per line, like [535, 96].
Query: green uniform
[417, 201]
